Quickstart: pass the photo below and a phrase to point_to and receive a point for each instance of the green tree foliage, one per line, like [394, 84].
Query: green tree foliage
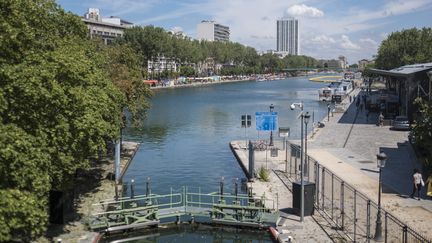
[22, 215]
[64, 98]
[152, 42]
[123, 67]
[26, 26]
[422, 129]
[187, 71]
[61, 100]
[24, 185]
[405, 47]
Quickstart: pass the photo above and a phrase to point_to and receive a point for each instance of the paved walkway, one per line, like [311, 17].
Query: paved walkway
[348, 145]
[276, 190]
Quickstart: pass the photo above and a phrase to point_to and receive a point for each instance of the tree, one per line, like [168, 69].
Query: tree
[74, 107]
[24, 169]
[405, 47]
[58, 107]
[124, 68]
[422, 130]
[34, 25]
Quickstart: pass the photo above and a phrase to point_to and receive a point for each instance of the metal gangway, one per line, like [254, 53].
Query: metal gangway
[141, 211]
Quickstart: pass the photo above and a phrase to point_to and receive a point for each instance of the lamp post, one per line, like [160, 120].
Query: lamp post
[381, 160]
[302, 116]
[306, 121]
[271, 131]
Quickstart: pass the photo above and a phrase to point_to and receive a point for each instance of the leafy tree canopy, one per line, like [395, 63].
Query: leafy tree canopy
[61, 100]
[152, 42]
[405, 47]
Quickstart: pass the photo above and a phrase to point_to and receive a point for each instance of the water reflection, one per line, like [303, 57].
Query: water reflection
[193, 233]
[184, 141]
[185, 137]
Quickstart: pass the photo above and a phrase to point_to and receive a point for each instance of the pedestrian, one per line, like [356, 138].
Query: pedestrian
[361, 107]
[350, 98]
[381, 120]
[417, 183]
[367, 115]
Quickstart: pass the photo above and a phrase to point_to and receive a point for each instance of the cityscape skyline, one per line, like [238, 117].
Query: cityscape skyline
[331, 28]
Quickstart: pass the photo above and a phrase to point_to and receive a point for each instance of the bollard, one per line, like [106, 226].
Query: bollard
[251, 161]
[148, 187]
[250, 194]
[221, 189]
[132, 189]
[236, 190]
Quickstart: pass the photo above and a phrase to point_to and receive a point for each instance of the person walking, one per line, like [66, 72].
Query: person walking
[417, 183]
[381, 120]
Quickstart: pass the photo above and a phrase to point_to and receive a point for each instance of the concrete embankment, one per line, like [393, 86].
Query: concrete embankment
[92, 188]
[280, 196]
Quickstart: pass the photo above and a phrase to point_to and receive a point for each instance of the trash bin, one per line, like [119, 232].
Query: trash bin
[309, 197]
[274, 152]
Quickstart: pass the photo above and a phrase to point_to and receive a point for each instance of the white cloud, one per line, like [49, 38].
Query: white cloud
[368, 41]
[303, 10]
[323, 39]
[253, 22]
[347, 44]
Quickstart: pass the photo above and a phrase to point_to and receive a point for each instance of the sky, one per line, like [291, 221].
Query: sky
[328, 28]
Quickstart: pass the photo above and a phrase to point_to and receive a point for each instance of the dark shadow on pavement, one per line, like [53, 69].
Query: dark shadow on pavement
[359, 114]
[369, 170]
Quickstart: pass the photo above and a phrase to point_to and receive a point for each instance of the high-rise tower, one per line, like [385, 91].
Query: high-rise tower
[209, 30]
[288, 36]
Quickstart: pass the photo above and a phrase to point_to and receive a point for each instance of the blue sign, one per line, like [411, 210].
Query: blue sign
[266, 121]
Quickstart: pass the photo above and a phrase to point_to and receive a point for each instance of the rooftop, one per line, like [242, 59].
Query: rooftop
[404, 71]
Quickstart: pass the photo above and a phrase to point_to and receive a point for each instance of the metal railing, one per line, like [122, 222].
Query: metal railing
[350, 210]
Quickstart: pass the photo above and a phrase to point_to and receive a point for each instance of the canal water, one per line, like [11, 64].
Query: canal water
[185, 138]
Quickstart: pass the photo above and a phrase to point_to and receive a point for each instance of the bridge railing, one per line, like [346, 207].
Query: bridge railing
[202, 200]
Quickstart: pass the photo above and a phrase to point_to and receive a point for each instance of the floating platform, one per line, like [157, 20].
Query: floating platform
[325, 79]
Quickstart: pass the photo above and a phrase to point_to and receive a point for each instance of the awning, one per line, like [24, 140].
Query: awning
[150, 81]
[404, 71]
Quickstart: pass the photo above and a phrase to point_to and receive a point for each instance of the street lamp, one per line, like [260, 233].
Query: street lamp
[271, 131]
[294, 105]
[304, 118]
[381, 161]
[306, 121]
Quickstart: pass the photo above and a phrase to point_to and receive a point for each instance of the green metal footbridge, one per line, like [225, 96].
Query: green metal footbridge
[218, 208]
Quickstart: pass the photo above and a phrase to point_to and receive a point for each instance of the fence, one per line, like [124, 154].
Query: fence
[350, 210]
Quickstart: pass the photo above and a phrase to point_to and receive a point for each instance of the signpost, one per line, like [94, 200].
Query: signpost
[266, 121]
[246, 121]
[284, 132]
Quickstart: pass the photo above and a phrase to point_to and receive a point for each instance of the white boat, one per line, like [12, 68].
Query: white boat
[336, 91]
